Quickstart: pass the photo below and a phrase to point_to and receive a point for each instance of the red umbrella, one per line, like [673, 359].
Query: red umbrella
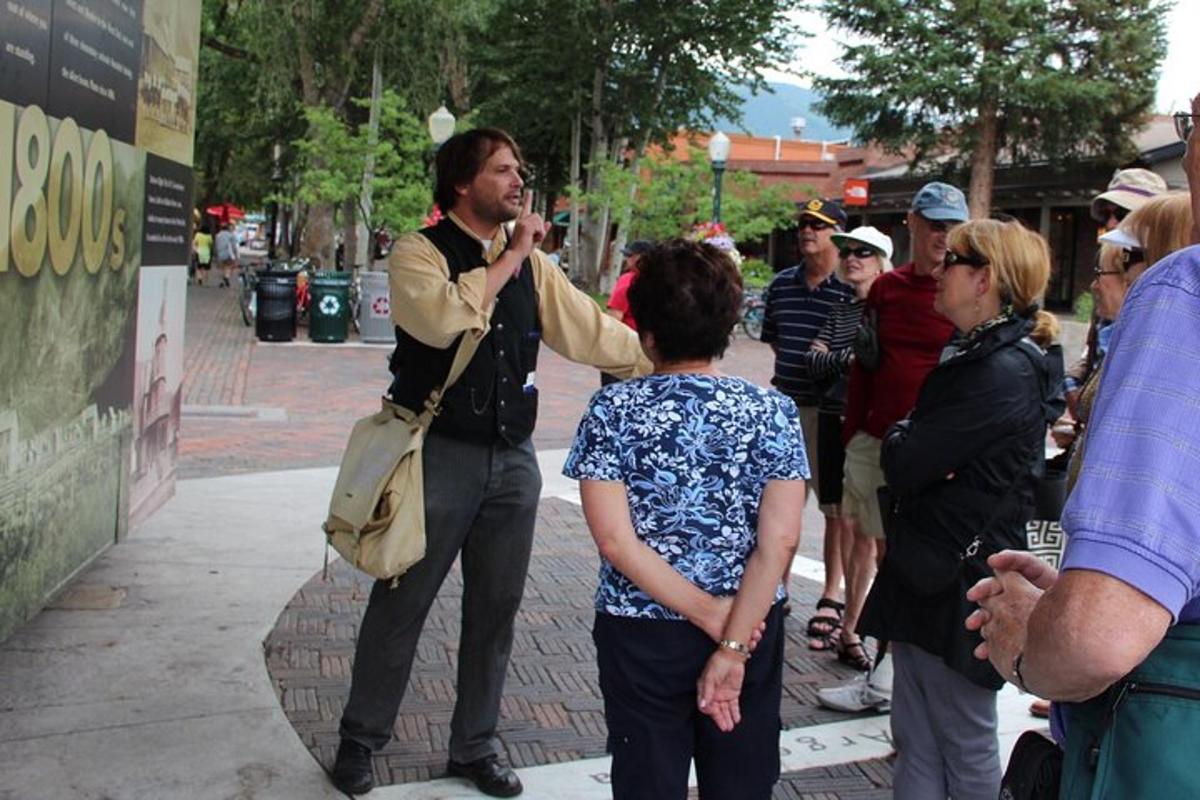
[225, 212]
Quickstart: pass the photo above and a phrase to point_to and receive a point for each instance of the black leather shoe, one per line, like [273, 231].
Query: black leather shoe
[352, 769]
[489, 776]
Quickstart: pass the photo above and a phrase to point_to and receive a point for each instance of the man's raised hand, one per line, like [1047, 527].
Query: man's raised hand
[530, 229]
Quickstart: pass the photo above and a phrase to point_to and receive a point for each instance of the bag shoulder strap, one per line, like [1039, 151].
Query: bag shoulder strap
[467, 345]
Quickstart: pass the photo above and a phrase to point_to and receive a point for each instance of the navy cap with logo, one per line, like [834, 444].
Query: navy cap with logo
[825, 210]
[940, 202]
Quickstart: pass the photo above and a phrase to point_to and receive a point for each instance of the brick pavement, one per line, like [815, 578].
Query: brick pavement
[322, 390]
[552, 709]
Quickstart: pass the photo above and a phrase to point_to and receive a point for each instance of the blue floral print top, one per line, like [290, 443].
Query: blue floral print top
[694, 453]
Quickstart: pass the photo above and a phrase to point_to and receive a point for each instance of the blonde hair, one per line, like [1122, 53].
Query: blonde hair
[1019, 260]
[1162, 224]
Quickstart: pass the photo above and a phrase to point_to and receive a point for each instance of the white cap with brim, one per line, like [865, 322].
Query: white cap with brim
[1129, 189]
[868, 235]
[1120, 238]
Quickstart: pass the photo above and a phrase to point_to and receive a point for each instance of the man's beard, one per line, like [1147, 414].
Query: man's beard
[496, 212]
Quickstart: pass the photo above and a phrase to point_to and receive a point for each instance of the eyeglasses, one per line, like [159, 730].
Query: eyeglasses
[971, 260]
[813, 224]
[860, 252]
[1099, 271]
[1184, 123]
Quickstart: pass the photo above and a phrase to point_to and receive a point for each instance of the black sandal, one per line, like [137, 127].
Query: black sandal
[821, 627]
[853, 654]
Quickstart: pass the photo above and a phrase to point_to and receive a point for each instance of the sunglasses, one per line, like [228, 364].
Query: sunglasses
[970, 259]
[937, 225]
[1184, 123]
[860, 252]
[813, 224]
[1110, 210]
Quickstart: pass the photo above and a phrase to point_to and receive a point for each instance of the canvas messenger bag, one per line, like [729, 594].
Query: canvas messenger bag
[377, 514]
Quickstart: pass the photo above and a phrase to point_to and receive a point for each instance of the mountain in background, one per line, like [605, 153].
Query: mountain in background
[771, 114]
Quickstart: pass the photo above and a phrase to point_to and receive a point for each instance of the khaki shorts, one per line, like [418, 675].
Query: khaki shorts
[863, 477]
[808, 424]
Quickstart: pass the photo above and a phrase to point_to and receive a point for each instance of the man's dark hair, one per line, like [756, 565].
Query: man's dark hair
[461, 158]
[689, 296]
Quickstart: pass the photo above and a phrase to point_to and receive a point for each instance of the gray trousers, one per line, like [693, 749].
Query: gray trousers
[480, 500]
[944, 728]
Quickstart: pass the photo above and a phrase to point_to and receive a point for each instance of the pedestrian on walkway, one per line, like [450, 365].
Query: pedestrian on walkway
[962, 468]
[469, 275]
[865, 254]
[227, 251]
[202, 245]
[908, 337]
[690, 481]
[797, 303]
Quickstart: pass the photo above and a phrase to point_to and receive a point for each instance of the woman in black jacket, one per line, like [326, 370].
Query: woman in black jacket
[960, 471]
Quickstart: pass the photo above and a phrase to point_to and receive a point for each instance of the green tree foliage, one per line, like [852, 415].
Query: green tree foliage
[670, 196]
[1034, 80]
[634, 73]
[334, 152]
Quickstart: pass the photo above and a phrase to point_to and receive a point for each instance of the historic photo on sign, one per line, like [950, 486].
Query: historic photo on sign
[166, 106]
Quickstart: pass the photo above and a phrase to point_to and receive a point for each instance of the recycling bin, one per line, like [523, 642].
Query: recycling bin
[329, 308]
[374, 308]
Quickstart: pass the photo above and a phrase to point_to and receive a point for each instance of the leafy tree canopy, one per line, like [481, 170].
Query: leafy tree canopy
[972, 79]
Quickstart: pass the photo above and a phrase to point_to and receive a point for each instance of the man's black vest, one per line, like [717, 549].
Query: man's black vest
[495, 398]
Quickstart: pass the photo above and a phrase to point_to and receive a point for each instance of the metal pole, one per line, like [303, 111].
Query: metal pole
[276, 178]
[718, 173]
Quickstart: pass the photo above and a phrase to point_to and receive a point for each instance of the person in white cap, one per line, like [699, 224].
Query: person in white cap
[1128, 190]
[865, 254]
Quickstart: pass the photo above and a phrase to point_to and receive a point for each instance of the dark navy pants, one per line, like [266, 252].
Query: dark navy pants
[648, 674]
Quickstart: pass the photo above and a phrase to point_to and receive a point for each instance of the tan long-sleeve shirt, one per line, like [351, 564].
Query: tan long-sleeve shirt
[434, 309]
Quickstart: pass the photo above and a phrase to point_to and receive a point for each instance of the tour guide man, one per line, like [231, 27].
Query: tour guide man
[468, 276]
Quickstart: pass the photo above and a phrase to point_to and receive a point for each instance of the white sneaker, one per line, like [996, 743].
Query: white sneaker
[870, 692]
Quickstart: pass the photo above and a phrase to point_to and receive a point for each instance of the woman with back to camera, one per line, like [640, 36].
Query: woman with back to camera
[961, 469]
[690, 481]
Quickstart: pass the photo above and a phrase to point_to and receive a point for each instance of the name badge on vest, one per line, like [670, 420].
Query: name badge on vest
[527, 388]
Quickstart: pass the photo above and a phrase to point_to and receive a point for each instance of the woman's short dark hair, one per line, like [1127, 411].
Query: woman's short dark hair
[462, 156]
[689, 296]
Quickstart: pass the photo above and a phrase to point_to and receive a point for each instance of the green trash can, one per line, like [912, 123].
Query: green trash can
[329, 311]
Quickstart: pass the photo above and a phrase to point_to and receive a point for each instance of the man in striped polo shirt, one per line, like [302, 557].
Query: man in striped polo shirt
[798, 301]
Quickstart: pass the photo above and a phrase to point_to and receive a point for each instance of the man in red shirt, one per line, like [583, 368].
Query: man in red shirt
[910, 337]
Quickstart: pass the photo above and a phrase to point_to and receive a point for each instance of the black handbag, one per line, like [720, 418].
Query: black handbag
[930, 563]
[1034, 769]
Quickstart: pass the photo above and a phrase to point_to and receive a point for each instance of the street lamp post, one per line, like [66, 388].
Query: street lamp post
[276, 179]
[441, 128]
[718, 153]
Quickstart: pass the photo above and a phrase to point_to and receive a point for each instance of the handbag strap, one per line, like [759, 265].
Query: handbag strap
[467, 345]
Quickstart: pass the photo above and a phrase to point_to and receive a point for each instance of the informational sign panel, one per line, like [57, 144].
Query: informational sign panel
[91, 350]
[25, 51]
[95, 58]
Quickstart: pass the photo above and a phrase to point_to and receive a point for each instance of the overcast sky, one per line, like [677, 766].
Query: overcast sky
[1178, 81]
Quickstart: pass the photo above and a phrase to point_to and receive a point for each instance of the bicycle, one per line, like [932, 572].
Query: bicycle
[248, 296]
[754, 309]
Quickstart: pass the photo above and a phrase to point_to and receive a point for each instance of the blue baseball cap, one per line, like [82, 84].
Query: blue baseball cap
[941, 202]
